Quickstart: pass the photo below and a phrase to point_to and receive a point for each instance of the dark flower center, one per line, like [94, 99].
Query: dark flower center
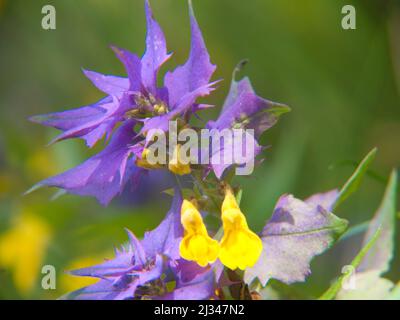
[146, 106]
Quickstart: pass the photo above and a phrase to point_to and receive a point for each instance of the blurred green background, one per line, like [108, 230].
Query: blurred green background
[343, 87]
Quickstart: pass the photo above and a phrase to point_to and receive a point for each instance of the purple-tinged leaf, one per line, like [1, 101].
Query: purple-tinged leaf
[325, 200]
[296, 233]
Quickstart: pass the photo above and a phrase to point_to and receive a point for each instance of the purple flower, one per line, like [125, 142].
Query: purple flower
[130, 101]
[192, 282]
[244, 109]
[142, 269]
[104, 175]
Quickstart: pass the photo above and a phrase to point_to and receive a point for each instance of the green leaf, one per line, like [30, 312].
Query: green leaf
[367, 286]
[379, 257]
[368, 283]
[337, 285]
[239, 196]
[395, 294]
[354, 181]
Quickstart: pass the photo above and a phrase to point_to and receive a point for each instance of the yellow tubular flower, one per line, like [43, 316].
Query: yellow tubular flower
[240, 247]
[196, 244]
[175, 165]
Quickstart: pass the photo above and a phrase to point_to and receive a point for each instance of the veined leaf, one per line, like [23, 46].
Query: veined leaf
[296, 233]
[354, 181]
[337, 285]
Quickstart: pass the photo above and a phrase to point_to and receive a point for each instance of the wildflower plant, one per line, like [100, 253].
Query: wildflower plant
[183, 258]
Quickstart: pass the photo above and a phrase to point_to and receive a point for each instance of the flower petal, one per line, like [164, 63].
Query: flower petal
[195, 73]
[156, 52]
[112, 85]
[89, 123]
[244, 109]
[102, 290]
[192, 282]
[104, 175]
[133, 67]
[166, 237]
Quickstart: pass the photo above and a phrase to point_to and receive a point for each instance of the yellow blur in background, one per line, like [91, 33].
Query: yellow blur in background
[22, 249]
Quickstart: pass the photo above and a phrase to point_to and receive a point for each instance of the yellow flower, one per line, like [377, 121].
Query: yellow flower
[240, 247]
[22, 250]
[175, 165]
[196, 244]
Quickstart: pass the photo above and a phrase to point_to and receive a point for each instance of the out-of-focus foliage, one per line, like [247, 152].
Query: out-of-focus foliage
[375, 257]
[343, 87]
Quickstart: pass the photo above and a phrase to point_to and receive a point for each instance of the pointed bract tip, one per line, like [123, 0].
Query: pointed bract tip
[88, 73]
[133, 240]
[75, 272]
[148, 11]
[32, 189]
[49, 144]
[116, 50]
[58, 194]
[279, 108]
[191, 11]
[37, 118]
[372, 153]
[239, 67]
[193, 20]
